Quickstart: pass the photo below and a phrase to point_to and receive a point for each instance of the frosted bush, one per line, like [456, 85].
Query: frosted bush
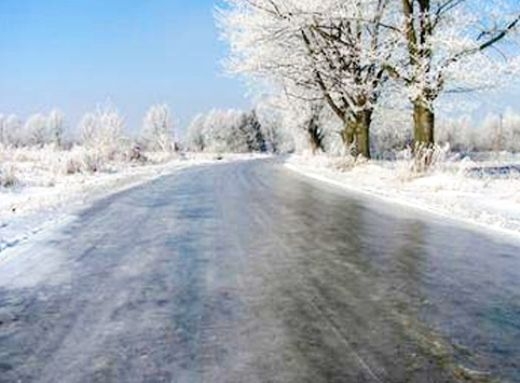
[425, 159]
[342, 163]
[83, 161]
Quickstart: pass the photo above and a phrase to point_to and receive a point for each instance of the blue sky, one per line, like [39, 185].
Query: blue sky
[74, 54]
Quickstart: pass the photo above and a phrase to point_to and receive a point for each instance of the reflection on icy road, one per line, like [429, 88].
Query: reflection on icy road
[247, 273]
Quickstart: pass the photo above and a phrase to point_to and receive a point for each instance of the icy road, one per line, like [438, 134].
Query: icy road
[245, 272]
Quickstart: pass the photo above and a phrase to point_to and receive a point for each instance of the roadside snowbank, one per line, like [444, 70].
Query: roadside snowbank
[484, 193]
[43, 197]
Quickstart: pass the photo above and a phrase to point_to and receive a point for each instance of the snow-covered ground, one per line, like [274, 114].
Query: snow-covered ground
[484, 192]
[45, 194]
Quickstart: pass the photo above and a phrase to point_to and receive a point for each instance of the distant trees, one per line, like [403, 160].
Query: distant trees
[226, 131]
[102, 129]
[157, 129]
[251, 129]
[35, 130]
[38, 130]
[494, 133]
[56, 126]
[10, 127]
[305, 121]
[195, 136]
[277, 134]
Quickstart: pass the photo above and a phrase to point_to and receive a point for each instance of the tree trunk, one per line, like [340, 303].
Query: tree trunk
[356, 134]
[424, 124]
[363, 134]
[315, 135]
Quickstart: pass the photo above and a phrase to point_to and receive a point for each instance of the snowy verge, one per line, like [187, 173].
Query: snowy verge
[484, 194]
[36, 206]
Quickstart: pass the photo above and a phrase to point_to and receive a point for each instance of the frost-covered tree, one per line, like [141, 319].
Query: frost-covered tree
[88, 126]
[226, 131]
[511, 124]
[2, 128]
[452, 46]
[278, 138]
[312, 126]
[292, 124]
[217, 127]
[222, 131]
[492, 128]
[251, 129]
[35, 131]
[460, 133]
[56, 127]
[304, 120]
[11, 130]
[492, 133]
[195, 134]
[157, 129]
[330, 49]
[41, 129]
[102, 130]
[391, 133]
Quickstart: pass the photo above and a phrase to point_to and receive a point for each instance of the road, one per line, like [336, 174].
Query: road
[246, 272]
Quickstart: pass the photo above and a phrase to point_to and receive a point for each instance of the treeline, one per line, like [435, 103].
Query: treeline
[276, 125]
[99, 142]
[104, 128]
[227, 131]
[494, 133]
[39, 129]
[292, 126]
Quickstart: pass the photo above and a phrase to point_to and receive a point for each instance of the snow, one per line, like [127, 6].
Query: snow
[44, 197]
[484, 193]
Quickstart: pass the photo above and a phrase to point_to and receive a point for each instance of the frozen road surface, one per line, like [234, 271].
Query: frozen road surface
[245, 272]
